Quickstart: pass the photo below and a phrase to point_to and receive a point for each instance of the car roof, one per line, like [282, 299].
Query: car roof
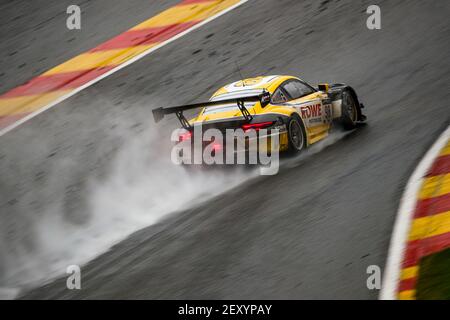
[250, 86]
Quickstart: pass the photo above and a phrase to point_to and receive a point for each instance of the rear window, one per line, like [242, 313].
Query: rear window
[237, 94]
[227, 107]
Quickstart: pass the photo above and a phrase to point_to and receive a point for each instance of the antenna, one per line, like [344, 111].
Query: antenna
[240, 74]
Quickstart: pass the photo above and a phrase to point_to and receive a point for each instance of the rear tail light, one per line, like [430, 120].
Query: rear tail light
[185, 136]
[257, 126]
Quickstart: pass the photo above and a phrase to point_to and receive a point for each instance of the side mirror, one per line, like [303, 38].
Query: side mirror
[324, 87]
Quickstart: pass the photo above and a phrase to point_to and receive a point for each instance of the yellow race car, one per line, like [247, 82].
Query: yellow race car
[302, 114]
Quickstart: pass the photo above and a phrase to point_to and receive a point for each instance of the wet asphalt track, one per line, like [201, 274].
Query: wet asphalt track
[308, 232]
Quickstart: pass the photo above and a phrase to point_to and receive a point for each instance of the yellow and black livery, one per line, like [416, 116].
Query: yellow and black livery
[305, 114]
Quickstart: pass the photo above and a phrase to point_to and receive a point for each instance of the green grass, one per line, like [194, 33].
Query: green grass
[434, 277]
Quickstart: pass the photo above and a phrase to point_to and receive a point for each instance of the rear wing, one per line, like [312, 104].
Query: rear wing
[159, 113]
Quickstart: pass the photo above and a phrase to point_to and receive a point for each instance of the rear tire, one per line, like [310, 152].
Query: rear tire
[296, 134]
[350, 110]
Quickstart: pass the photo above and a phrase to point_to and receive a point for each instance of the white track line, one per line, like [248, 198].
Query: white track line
[126, 63]
[403, 221]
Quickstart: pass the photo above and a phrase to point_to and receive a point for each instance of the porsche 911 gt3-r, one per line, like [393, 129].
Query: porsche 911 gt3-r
[302, 114]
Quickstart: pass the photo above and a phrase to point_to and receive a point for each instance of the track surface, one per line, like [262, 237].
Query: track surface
[308, 232]
[35, 37]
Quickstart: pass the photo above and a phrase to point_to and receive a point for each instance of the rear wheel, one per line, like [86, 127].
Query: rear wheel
[296, 134]
[350, 110]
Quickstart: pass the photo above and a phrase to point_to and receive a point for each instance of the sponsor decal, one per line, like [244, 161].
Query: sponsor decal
[327, 116]
[311, 111]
